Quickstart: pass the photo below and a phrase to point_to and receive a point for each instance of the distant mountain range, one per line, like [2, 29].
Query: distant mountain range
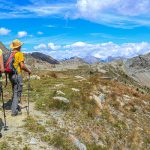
[92, 59]
[50, 60]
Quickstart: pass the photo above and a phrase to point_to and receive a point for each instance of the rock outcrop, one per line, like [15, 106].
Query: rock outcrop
[139, 69]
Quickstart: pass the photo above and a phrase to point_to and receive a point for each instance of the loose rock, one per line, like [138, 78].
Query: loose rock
[35, 77]
[76, 90]
[60, 93]
[63, 99]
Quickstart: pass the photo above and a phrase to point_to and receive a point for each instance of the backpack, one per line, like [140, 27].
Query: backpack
[9, 64]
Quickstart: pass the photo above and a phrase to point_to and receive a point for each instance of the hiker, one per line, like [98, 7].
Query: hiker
[1, 71]
[1, 67]
[16, 76]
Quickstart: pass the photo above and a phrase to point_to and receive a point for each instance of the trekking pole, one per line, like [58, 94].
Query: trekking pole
[2, 98]
[28, 94]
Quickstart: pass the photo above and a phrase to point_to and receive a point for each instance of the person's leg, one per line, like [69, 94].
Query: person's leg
[15, 95]
[12, 85]
[20, 87]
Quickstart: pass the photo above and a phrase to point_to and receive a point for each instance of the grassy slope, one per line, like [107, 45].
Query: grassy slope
[122, 122]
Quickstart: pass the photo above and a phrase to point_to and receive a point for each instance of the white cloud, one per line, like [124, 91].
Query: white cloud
[47, 9]
[40, 33]
[117, 13]
[47, 47]
[52, 46]
[22, 34]
[76, 45]
[102, 50]
[4, 31]
[40, 47]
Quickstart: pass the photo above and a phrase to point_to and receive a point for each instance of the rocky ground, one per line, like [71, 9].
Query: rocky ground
[93, 108]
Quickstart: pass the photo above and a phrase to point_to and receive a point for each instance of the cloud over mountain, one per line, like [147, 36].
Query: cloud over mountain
[102, 50]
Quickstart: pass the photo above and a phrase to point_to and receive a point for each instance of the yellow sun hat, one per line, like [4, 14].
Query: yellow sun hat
[15, 44]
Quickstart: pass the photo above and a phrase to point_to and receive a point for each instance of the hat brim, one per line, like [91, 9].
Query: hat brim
[13, 47]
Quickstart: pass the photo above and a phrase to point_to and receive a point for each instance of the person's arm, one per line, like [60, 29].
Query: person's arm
[24, 67]
[1, 64]
[22, 64]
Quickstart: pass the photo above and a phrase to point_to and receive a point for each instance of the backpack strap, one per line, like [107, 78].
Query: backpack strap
[11, 56]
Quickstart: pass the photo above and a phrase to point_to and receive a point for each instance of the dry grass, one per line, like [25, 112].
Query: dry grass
[4, 145]
[59, 140]
[33, 126]
[113, 126]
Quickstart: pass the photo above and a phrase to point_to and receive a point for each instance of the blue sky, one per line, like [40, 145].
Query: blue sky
[67, 28]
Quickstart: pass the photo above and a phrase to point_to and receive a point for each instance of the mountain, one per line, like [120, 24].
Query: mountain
[91, 59]
[111, 58]
[44, 57]
[74, 60]
[139, 68]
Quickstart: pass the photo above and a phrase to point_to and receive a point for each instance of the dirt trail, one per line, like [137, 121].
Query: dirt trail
[18, 136]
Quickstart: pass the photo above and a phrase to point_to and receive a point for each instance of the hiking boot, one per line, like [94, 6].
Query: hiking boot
[16, 114]
[19, 108]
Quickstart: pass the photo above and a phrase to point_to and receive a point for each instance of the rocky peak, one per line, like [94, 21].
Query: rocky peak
[44, 57]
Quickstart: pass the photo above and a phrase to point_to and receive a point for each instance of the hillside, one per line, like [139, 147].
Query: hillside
[93, 107]
[139, 68]
[74, 105]
[44, 58]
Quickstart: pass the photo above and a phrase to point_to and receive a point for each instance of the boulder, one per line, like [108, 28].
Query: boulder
[74, 89]
[60, 93]
[63, 99]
